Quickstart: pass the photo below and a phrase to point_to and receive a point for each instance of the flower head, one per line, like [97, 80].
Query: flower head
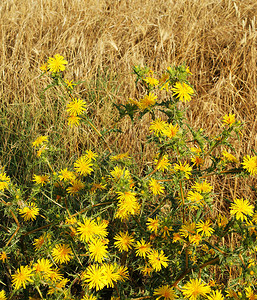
[250, 164]
[148, 100]
[185, 168]
[62, 253]
[29, 211]
[40, 140]
[153, 224]
[229, 119]
[22, 277]
[183, 91]
[151, 81]
[157, 260]
[215, 295]
[142, 248]
[241, 208]
[195, 288]
[163, 163]
[124, 241]
[56, 63]
[165, 292]
[156, 187]
[157, 126]
[204, 228]
[86, 230]
[94, 277]
[170, 130]
[98, 250]
[76, 107]
[4, 181]
[202, 187]
[41, 179]
[83, 166]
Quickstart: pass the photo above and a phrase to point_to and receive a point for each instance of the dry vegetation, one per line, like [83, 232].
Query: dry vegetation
[102, 40]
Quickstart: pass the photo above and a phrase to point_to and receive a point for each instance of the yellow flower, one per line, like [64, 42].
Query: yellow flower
[229, 119]
[3, 256]
[38, 243]
[94, 277]
[41, 179]
[153, 224]
[187, 229]
[157, 126]
[89, 297]
[83, 165]
[202, 187]
[98, 250]
[76, 186]
[120, 156]
[241, 208]
[124, 241]
[22, 277]
[215, 295]
[127, 204]
[76, 107]
[40, 140]
[29, 211]
[156, 187]
[166, 292]
[197, 160]
[44, 67]
[69, 84]
[56, 63]
[90, 155]
[43, 267]
[86, 230]
[66, 175]
[195, 288]
[147, 101]
[185, 168]
[117, 173]
[204, 228]
[163, 164]
[250, 293]
[157, 260]
[151, 81]
[195, 239]
[229, 157]
[62, 253]
[183, 91]
[73, 120]
[111, 273]
[170, 131]
[194, 198]
[143, 248]
[176, 237]
[250, 164]
[4, 181]
[222, 220]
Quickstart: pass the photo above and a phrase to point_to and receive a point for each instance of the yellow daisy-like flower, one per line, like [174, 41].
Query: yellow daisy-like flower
[66, 175]
[91, 155]
[29, 211]
[195, 288]
[86, 230]
[250, 293]
[40, 140]
[76, 107]
[241, 208]
[156, 187]
[165, 292]
[229, 157]
[117, 173]
[170, 130]
[89, 297]
[127, 205]
[98, 250]
[124, 241]
[183, 91]
[3, 256]
[43, 267]
[62, 253]
[157, 260]
[197, 160]
[148, 100]
[158, 126]
[69, 84]
[194, 197]
[56, 63]
[215, 295]
[204, 228]
[142, 248]
[44, 67]
[4, 181]
[250, 164]
[73, 120]
[195, 239]
[41, 179]
[229, 119]
[202, 187]
[162, 164]
[222, 221]
[2, 295]
[111, 273]
[94, 277]
[153, 224]
[187, 229]
[38, 243]
[22, 277]
[151, 81]
[185, 168]
[76, 186]
[83, 166]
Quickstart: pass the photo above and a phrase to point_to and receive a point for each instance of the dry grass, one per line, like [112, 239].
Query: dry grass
[216, 38]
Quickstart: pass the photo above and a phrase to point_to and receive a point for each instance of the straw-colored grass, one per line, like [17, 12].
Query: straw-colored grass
[102, 40]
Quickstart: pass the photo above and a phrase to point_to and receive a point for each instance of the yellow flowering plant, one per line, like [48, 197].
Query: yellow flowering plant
[107, 226]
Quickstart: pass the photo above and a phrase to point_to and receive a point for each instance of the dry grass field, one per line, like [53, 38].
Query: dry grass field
[102, 40]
